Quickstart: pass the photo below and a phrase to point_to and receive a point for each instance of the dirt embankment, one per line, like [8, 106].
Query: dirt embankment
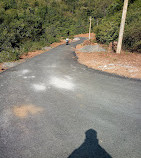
[125, 64]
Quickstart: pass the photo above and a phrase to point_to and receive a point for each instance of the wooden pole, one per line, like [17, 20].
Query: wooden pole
[90, 28]
[122, 25]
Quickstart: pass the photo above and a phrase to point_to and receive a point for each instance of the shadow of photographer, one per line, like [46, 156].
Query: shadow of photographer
[90, 148]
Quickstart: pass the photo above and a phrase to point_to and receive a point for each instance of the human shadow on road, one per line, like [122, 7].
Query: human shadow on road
[90, 148]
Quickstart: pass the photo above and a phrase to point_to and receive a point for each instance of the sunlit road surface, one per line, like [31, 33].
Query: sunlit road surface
[53, 107]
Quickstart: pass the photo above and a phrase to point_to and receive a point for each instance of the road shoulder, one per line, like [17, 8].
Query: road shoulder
[125, 64]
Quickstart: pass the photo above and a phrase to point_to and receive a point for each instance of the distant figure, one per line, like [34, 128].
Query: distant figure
[68, 33]
[67, 41]
[90, 148]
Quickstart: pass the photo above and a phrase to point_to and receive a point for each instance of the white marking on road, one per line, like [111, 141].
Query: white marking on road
[62, 83]
[39, 87]
[25, 71]
[25, 77]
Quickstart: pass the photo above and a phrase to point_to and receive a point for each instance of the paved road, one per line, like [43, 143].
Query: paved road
[53, 107]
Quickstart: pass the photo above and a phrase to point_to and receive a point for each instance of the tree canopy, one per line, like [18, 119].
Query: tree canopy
[30, 24]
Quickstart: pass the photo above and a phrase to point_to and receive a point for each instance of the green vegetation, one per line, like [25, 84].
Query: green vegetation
[108, 30]
[31, 24]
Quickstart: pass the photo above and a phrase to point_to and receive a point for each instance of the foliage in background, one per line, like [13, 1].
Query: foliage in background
[108, 29]
[31, 24]
[132, 36]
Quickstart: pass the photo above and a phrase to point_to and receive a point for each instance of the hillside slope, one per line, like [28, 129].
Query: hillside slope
[31, 24]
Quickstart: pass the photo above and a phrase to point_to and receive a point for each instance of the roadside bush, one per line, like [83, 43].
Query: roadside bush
[114, 7]
[132, 37]
[9, 55]
[108, 30]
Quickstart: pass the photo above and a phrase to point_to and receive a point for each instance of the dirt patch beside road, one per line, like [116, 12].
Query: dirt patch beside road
[125, 64]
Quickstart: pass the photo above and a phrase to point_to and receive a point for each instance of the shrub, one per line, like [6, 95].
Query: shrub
[108, 30]
[132, 37]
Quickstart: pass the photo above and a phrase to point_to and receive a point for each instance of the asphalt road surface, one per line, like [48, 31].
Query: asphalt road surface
[53, 107]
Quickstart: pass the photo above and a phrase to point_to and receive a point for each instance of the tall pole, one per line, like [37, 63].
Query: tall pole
[90, 28]
[122, 25]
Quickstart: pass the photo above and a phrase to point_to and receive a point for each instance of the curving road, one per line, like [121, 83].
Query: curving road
[53, 107]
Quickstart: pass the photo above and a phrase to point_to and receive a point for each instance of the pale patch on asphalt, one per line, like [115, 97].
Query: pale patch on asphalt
[25, 71]
[52, 66]
[63, 83]
[79, 95]
[24, 110]
[68, 77]
[39, 87]
[28, 77]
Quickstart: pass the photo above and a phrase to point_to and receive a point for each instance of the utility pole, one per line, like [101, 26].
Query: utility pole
[122, 25]
[90, 28]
